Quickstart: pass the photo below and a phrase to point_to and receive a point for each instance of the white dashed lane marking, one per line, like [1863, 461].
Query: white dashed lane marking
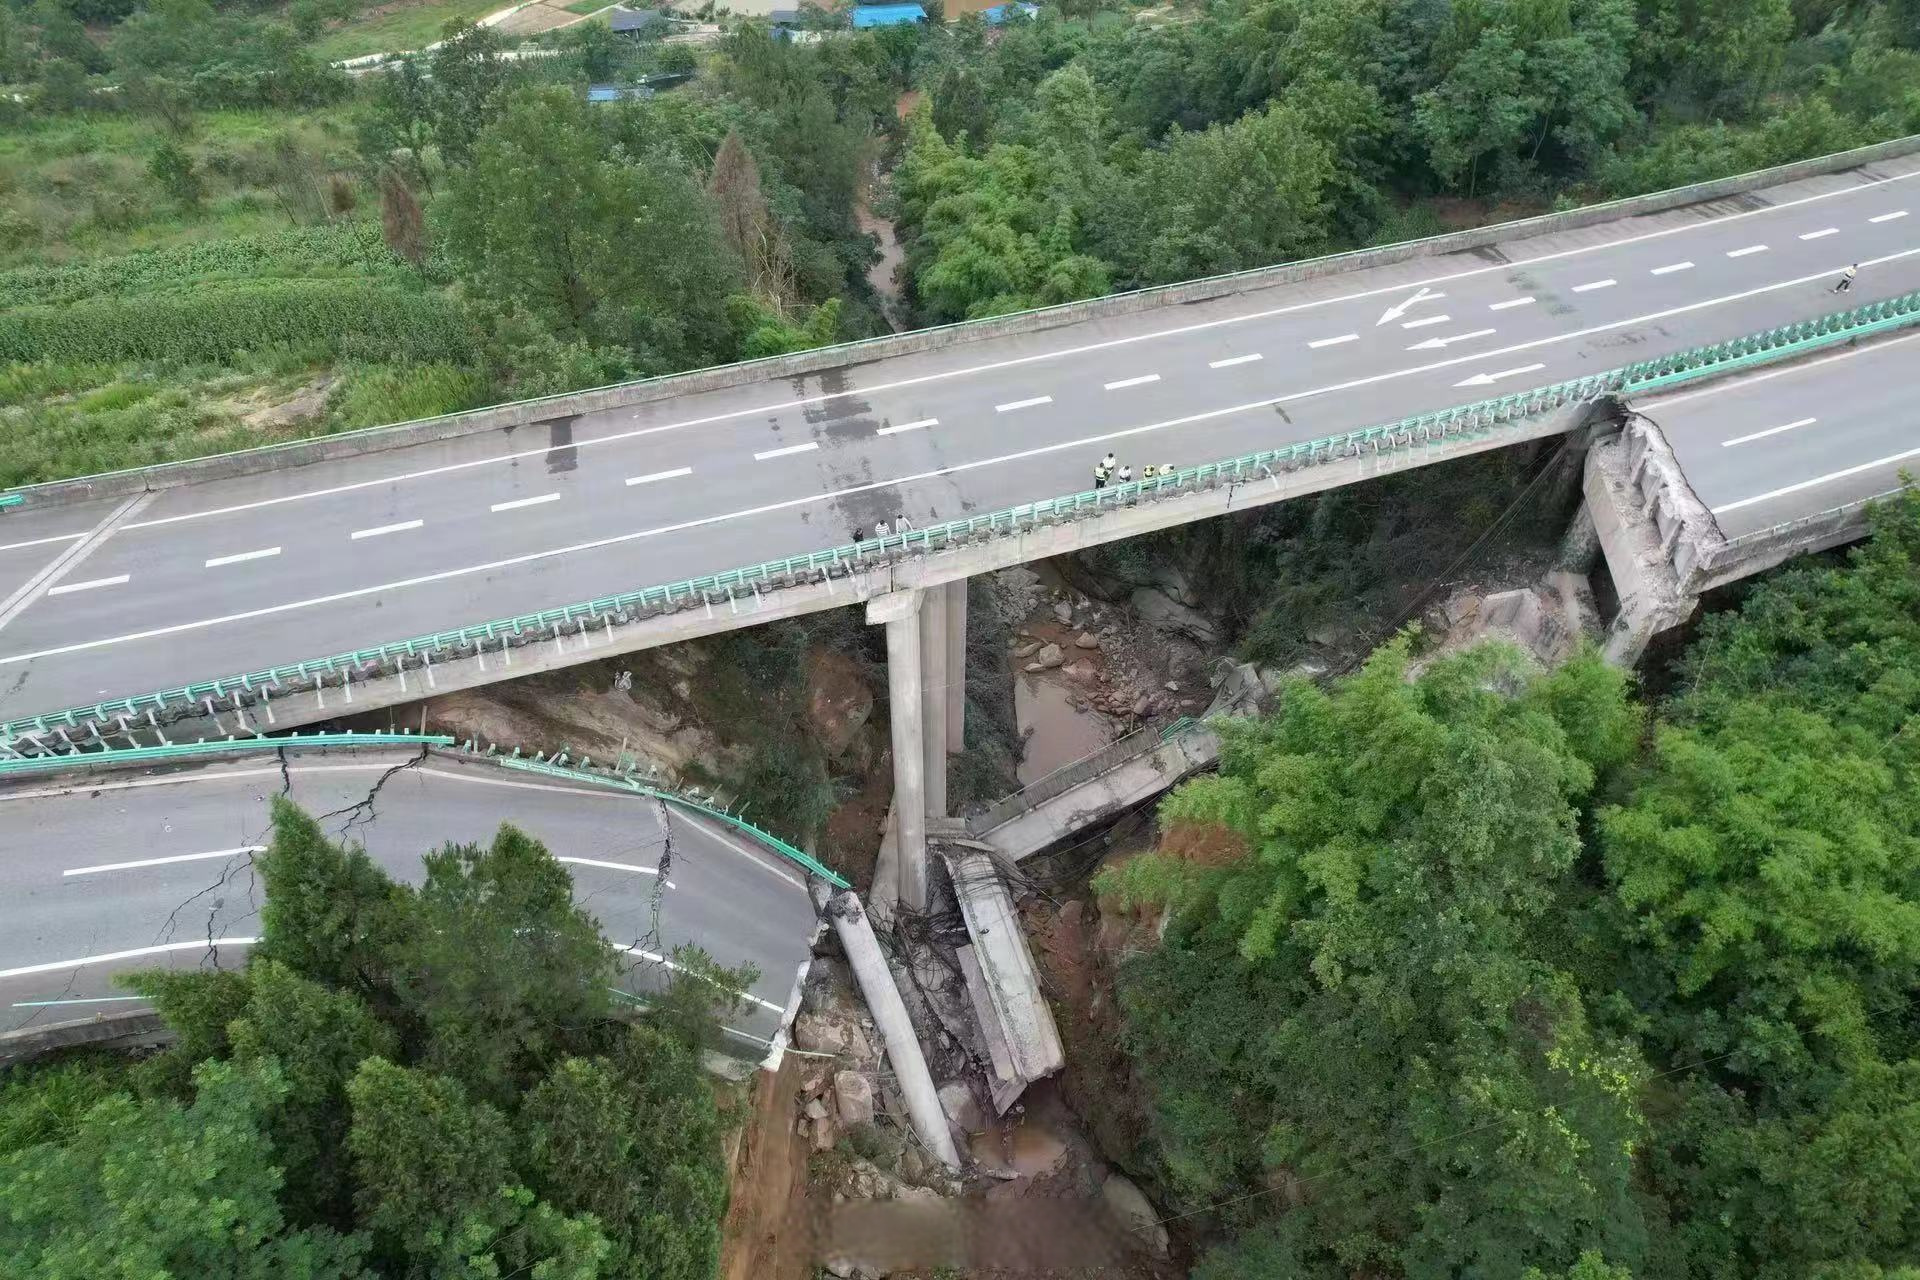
[242, 557]
[88, 585]
[517, 503]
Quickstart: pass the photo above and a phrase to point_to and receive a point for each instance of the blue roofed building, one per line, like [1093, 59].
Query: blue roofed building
[886, 15]
[1001, 12]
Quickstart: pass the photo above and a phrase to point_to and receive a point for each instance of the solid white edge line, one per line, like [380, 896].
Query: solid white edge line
[90, 785]
[674, 474]
[161, 862]
[242, 557]
[1334, 342]
[42, 542]
[1124, 383]
[48, 1004]
[88, 585]
[1595, 284]
[1770, 431]
[1672, 267]
[516, 503]
[908, 426]
[1782, 492]
[1821, 234]
[1061, 353]
[1509, 304]
[55, 966]
[1424, 322]
[1208, 415]
[1741, 253]
[609, 866]
[1889, 217]
[1010, 406]
[654, 957]
[766, 454]
[381, 530]
[1230, 361]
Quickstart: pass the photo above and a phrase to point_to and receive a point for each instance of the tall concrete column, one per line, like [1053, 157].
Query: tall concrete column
[933, 654]
[956, 666]
[899, 612]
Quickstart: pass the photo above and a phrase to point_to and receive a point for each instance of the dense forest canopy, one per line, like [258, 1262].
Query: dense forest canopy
[1482, 971]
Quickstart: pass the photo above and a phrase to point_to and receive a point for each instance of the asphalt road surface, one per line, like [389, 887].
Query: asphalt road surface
[232, 576]
[110, 873]
[1794, 441]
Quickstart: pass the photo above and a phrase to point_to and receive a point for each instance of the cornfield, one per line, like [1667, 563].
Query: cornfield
[351, 319]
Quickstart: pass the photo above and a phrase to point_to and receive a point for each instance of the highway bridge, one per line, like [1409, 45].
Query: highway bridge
[242, 595]
[150, 865]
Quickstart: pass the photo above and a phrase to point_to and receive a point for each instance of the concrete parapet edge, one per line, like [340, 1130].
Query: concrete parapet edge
[622, 395]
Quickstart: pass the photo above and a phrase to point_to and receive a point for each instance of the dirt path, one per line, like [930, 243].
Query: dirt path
[765, 1235]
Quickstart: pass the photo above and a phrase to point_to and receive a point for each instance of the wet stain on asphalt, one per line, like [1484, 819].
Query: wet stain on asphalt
[561, 454]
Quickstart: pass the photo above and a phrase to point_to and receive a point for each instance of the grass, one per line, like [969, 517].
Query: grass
[398, 28]
[77, 187]
[586, 6]
[71, 420]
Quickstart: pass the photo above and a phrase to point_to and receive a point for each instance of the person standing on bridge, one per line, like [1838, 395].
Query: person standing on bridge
[1126, 475]
[880, 529]
[1101, 474]
[1845, 284]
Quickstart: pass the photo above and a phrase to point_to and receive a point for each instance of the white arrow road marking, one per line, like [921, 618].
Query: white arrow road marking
[1400, 309]
[1488, 379]
[1435, 344]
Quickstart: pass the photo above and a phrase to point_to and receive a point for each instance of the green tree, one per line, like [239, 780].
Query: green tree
[318, 1037]
[1394, 874]
[156, 1189]
[603, 246]
[331, 916]
[425, 1157]
[468, 80]
[172, 168]
[501, 969]
[397, 127]
[635, 1141]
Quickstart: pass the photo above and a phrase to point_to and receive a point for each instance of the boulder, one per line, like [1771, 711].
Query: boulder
[962, 1111]
[1086, 640]
[816, 1110]
[1063, 611]
[1164, 613]
[853, 1094]
[839, 703]
[1025, 649]
[1130, 1206]
[832, 1031]
[1050, 656]
[1080, 671]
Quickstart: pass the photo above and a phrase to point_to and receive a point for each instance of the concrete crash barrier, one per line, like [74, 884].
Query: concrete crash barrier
[244, 704]
[621, 395]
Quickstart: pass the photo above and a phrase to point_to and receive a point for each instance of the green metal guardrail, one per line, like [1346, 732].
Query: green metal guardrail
[124, 757]
[620, 782]
[1713, 360]
[10, 500]
[120, 757]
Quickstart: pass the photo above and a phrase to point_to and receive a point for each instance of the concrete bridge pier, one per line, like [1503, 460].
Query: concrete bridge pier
[926, 707]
